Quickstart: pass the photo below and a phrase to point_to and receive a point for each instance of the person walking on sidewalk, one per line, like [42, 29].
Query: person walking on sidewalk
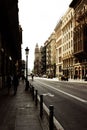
[32, 75]
[15, 83]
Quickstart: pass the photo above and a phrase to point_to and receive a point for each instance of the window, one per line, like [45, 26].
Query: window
[71, 24]
[60, 68]
[59, 59]
[71, 33]
[59, 50]
[69, 44]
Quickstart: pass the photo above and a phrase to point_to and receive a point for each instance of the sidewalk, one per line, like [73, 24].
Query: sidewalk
[19, 112]
[69, 80]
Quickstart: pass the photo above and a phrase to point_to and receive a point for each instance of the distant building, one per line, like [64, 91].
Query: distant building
[43, 59]
[51, 56]
[37, 60]
[58, 37]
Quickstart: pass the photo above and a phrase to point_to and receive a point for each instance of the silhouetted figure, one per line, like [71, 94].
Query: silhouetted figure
[32, 75]
[15, 83]
[85, 77]
[9, 83]
[23, 78]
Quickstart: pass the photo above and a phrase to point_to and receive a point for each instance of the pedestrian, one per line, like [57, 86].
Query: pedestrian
[9, 83]
[15, 83]
[23, 78]
[32, 75]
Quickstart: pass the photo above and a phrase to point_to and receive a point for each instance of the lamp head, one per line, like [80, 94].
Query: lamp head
[27, 51]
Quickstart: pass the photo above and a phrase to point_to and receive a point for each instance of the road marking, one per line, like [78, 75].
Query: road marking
[70, 95]
[48, 94]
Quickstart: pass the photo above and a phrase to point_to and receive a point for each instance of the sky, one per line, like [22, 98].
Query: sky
[38, 19]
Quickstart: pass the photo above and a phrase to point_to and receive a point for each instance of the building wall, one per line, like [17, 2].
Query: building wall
[48, 57]
[67, 43]
[59, 63]
[43, 60]
[64, 45]
[10, 45]
[80, 38]
[51, 56]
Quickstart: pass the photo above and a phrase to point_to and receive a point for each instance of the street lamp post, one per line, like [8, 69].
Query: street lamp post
[27, 52]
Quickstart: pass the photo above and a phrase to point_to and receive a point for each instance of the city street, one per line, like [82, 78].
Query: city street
[69, 100]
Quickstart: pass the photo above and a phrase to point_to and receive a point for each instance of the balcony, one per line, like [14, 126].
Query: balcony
[81, 14]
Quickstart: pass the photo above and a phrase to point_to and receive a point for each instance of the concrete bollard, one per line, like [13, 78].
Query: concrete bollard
[51, 113]
[27, 86]
[30, 88]
[33, 93]
[36, 100]
[41, 106]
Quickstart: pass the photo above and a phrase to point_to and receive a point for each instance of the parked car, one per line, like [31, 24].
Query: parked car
[64, 78]
[44, 76]
[50, 76]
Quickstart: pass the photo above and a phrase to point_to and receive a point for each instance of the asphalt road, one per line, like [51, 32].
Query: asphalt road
[69, 101]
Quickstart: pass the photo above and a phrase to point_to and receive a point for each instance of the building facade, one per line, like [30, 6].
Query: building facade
[66, 49]
[10, 40]
[48, 57]
[58, 36]
[43, 60]
[80, 37]
[67, 43]
[51, 56]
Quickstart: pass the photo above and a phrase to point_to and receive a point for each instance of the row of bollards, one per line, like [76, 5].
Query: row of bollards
[51, 110]
[36, 98]
[41, 106]
[51, 107]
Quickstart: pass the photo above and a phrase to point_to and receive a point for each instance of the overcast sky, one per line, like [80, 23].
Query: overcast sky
[38, 19]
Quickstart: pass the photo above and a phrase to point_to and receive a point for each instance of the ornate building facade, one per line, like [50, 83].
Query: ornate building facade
[51, 56]
[80, 37]
[58, 36]
[67, 43]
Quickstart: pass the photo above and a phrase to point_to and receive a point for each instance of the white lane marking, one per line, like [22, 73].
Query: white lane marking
[44, 94]
[70, 95]
[48, 94]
